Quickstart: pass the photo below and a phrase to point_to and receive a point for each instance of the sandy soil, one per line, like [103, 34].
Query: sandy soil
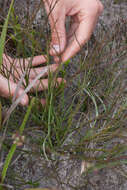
[67, 174]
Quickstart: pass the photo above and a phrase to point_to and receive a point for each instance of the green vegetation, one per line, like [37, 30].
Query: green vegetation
[84, 119]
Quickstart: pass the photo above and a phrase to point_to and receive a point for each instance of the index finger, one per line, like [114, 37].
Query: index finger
[34, 61]
[81, 36]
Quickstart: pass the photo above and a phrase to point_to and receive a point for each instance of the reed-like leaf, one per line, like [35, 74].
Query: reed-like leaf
[7, 162]
[4, 32]
[13, 147]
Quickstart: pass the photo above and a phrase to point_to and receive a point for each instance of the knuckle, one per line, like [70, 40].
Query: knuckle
[56, 35]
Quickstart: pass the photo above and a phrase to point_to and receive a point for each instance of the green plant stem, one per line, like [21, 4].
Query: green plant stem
[26, 116]
[4, 32]
[13, 147]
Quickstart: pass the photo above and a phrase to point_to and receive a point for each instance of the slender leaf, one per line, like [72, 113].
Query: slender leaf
[4, 32]
[13, 147]
[8, 160]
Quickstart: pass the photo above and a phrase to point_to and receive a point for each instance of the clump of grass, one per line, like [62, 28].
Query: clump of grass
[85, 118]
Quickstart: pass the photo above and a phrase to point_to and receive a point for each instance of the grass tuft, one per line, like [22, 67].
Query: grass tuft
[84, 119]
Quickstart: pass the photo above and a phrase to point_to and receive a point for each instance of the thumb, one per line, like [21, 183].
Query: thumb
[57, 24]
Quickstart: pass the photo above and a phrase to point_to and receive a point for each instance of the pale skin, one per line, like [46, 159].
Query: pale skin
[8, 86]
[83, 14]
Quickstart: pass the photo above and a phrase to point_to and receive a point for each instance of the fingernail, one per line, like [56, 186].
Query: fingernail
[56, 48]
[24, 101]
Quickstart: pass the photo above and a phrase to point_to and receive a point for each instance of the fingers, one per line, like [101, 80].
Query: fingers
[87, 13]
[73, 27]
[87, 22]
[32, 61]
[8, 88]
[34, 72]
[37, 60]
[43, 84]
[15, 67]
[19, 64]
[57, 23]
[58, 35]
[80, 37]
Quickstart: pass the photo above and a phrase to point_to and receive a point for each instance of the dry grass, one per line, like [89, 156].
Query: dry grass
[83, 121]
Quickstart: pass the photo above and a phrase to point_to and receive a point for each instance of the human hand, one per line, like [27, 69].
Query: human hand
[13, 69]
[83, 14]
